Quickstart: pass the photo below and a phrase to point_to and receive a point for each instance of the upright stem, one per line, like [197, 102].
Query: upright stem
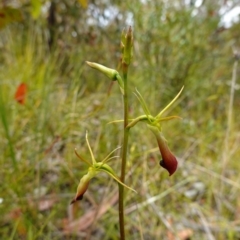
[124, 153]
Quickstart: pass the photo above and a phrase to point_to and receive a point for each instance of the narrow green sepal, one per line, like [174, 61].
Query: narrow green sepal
[167, 118]
[116, 121]
[112, 174]
[170, 104]
[142, 118]
[142, 102]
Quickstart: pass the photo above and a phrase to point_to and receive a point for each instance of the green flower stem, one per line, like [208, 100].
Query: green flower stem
[124, 153]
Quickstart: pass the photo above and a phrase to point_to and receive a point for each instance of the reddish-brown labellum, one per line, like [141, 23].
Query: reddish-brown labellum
[82, 188]
[77, 198]
[169, 161]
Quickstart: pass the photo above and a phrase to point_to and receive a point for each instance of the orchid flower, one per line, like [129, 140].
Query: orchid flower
[169, 161]
[94, 168]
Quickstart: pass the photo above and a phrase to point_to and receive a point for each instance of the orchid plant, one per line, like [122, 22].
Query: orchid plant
[169, 161]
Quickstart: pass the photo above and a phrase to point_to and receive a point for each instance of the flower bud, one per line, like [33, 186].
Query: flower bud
[128, 47]
[109, 72]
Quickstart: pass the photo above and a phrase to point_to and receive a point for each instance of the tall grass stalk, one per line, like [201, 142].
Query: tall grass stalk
[5, 122]
[226, 151]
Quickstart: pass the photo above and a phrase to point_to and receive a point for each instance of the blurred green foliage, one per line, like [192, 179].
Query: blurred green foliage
[175, 44]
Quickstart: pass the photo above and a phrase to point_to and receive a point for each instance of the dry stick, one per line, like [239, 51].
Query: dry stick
[213, 174]
[216, 229]
[153, 199]
[161, 217]
[87, 219]
[205, 224]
